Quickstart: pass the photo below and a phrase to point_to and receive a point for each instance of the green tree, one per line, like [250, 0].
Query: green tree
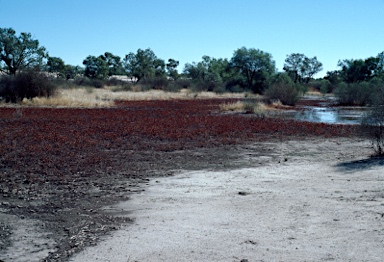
[172, 68]
[143, 64]
[195, 71]
[95, 67]
[221, 69]
[71, 72]
[358, 70]
[333, 77]
[311, 67]
[56, 65]
[380, 63]
[255, 65]
[206, 70]
[159, 66]
[19, 52]
[114, 63]
[301, 68]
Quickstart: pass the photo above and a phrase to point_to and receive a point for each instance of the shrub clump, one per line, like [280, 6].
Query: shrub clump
[372, 125]
[282, 88]
[27, 84]
[88, 82]
[358, 94]
[252, 106]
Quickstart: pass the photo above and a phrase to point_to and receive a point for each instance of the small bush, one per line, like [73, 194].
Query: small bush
[372, 125]
[326, 87]
[83, 81]
[235, 89]
[97, 83]
[65, 84]
[197, 86]
[358, 94]
[252, 106]
[173, 86]
[232, 106]
[210, 86]
[249, 106]
[219, 89]
[88, 82]
[27, 84]
[235, 85]
[113, 81]
[183, 83]
[126, 86]
[158, 83]
[282, 88]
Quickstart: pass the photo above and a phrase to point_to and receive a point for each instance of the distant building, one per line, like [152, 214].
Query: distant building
[124, 78]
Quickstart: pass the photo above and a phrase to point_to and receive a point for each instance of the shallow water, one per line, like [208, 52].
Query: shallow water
[330, 115]
[325, 110]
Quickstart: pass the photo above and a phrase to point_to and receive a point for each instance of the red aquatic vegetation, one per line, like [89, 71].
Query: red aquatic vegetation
[62, 141]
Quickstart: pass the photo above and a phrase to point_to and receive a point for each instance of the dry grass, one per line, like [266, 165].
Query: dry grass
[253, 107]
[163, 95]
[235, 106]
[260, 109]
[104, 97]
[71, 98]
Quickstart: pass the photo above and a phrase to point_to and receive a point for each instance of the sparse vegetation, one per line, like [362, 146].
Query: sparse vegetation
[358, 94]
[253, 106]
[283, 89]
[373, 123]
[247, 105]
[28, 84]
[232, 106]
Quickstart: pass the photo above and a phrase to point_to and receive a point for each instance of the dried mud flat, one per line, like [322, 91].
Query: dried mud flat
[192, 185]
[317, 200]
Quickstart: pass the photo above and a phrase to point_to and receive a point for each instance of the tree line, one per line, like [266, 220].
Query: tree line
[249, 69]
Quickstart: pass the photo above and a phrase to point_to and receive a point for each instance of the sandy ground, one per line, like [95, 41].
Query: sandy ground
[318, 200]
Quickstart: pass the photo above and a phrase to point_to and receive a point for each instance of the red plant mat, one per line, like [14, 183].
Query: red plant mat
[66, 141]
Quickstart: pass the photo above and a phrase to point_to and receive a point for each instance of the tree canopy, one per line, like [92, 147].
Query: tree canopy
[206, 70]
[143, 64]
[172, 68]
[358, 70]
[255, 65]
[95, 67]
[301, 68]
[55, 65]
[19, 52]
[114, 64]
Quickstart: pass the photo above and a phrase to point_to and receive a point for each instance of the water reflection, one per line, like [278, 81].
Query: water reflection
[329, 115]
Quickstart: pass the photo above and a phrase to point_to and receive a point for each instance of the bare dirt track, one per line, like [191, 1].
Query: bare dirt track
[60, 167]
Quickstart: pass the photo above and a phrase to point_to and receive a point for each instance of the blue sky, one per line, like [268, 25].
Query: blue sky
[186, 30]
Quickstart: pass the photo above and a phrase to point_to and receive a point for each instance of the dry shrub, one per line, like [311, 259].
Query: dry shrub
[28, 84]
[232, 106]
[60, 101]
[249, 106]
[372, 125]
[105, 97]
